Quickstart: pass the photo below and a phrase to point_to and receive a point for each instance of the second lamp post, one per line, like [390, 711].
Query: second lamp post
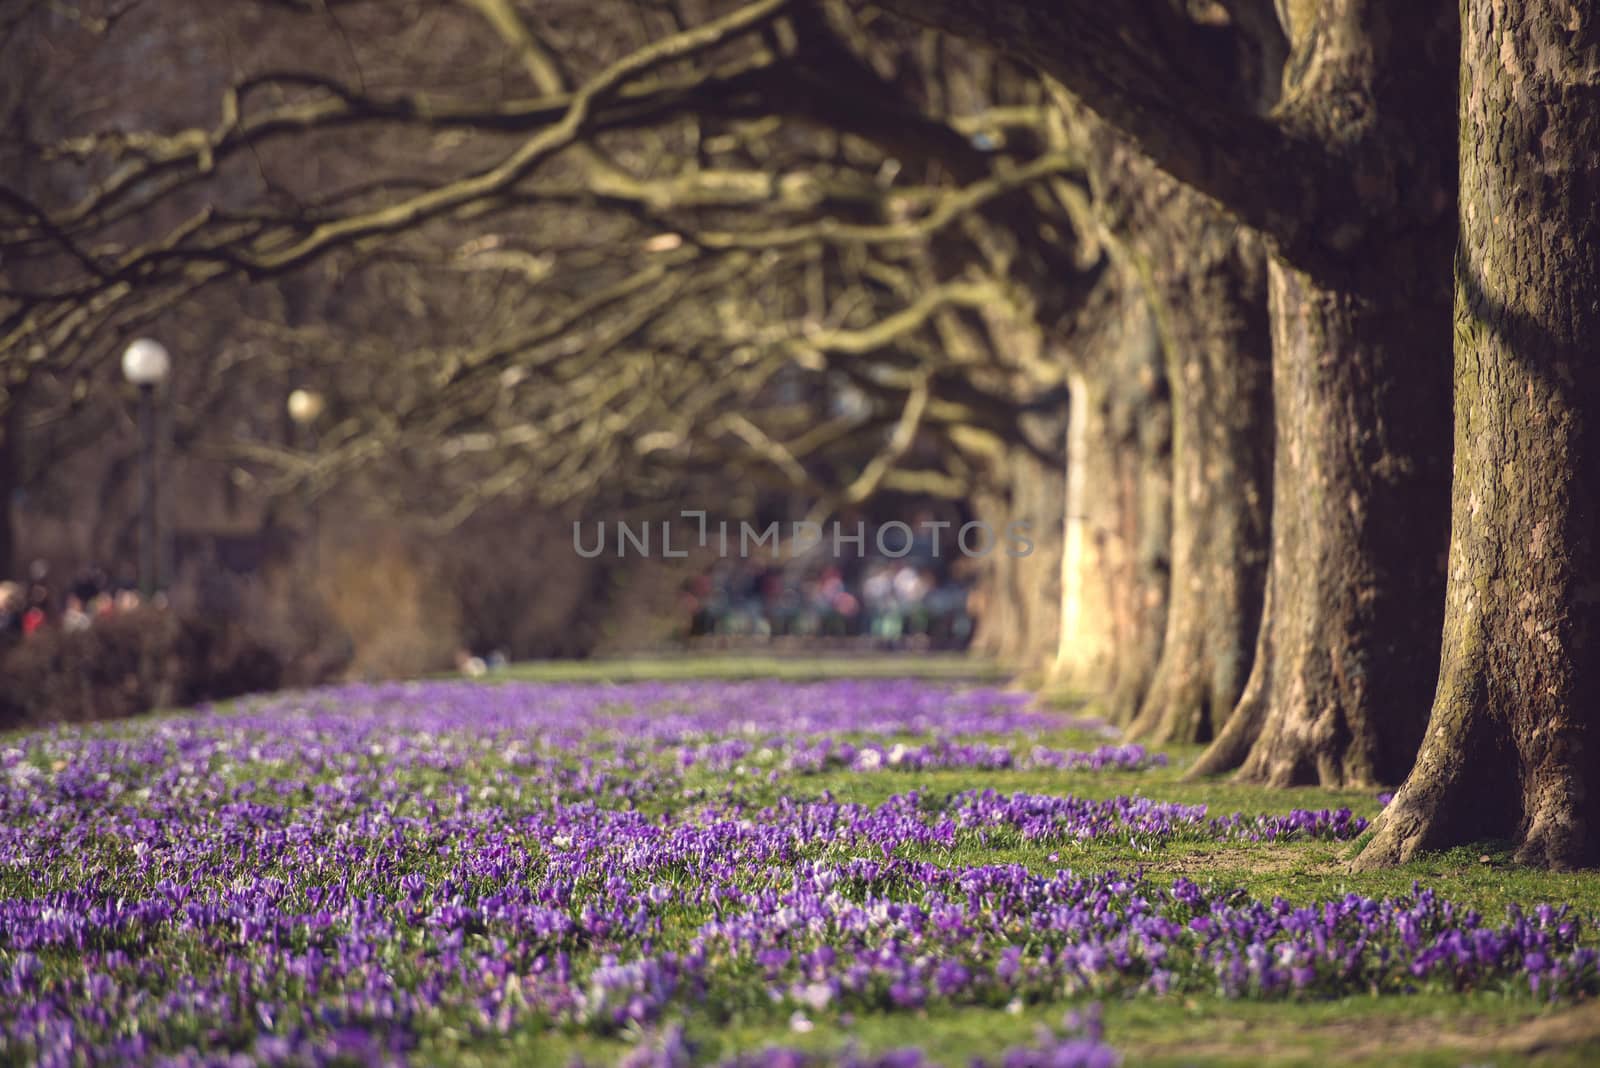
[146, 364]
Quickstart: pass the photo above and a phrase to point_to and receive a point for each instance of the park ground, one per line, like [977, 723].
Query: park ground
[1421, 1029]
[1495, 1023]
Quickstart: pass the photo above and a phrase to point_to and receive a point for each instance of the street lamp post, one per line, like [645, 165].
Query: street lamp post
[305, 406]
[145, 363]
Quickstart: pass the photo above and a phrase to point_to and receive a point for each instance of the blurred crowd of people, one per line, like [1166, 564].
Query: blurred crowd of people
[910, 599]
[35, 604]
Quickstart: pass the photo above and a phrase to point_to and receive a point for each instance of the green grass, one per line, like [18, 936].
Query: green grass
[1422, 1030]
[734, 665]
[1425, 1029]
[1429, 1028]
[1299, 871]
[1433, 1030]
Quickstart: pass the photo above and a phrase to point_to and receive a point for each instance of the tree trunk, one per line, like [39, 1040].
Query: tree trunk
[1083, 654]
[1192, 290]
[1509, 750]
[1016, 622]
[1348, 655]
[1039, 498]
[1114, 571]
[1350, 173]
[1209, 277]
[991, 639]
[1144, 498]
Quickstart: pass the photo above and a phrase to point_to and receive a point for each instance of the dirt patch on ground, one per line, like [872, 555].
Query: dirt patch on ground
[1575, 1027]
[1386, 1039]
[1211, 862]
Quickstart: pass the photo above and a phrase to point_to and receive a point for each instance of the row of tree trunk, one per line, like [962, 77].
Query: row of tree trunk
[1260, 547]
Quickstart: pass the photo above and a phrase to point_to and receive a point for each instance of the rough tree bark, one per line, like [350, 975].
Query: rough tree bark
[1021, 595]
[1083, 663]
[1002, 624]
[1039, 497]
[1348, 654]
[1510, 747]
[998, 632]
[1207, 277]
[1350, 175]
[1222, 454]
[1115, 558]
[1144, 499]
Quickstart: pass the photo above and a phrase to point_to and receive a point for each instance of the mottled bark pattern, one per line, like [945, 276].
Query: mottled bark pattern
[1083, 655]
[1350, 174]
[1115, 567]
[1021, 595]
[1348, 654]
[1202, 276]
[1144, 496]
[998, 635]
[1039, 497]
[1511, 746]
[1208, 275]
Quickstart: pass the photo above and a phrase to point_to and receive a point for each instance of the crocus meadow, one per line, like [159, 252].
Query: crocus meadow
[379, 874]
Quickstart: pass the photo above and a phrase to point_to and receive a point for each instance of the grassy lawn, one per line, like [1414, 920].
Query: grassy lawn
[751, 665]
[394, 766]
